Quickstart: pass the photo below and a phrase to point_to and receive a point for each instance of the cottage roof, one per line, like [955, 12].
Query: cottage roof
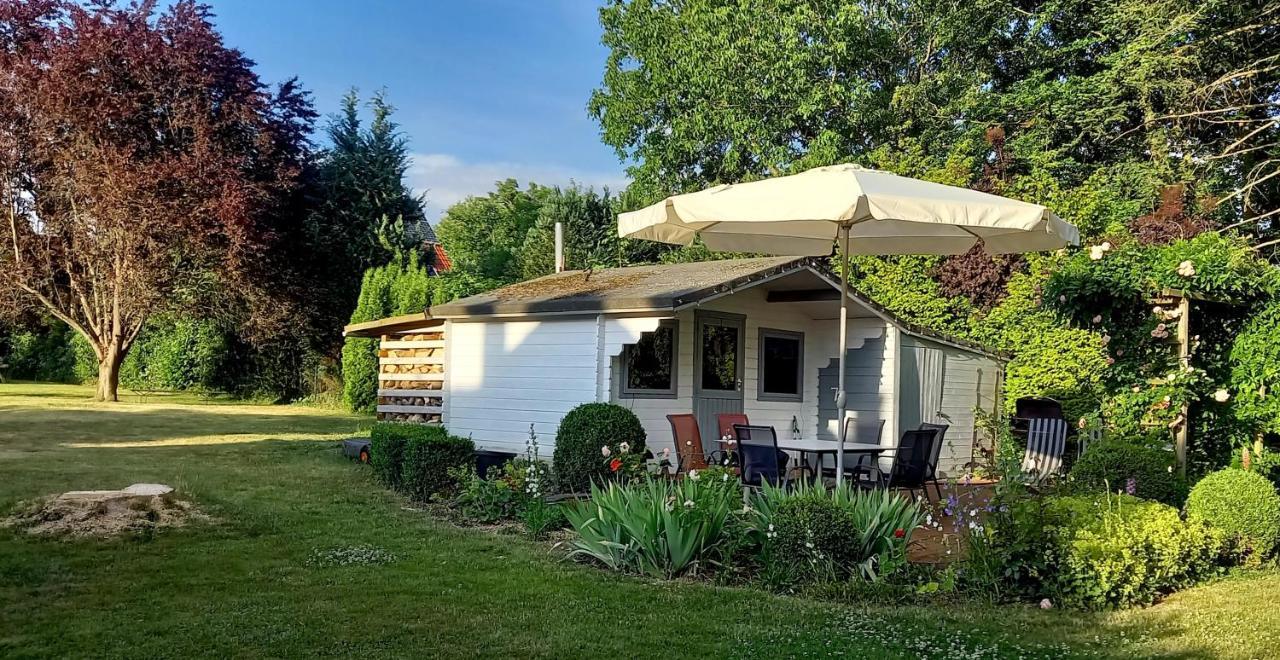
[648, 288]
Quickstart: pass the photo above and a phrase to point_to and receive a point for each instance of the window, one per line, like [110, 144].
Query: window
[649, 365]
[781, 365]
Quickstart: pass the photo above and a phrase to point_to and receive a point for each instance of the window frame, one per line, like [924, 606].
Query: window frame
[761, 394]
[624, 372]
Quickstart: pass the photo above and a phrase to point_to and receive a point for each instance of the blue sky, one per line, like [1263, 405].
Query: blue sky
[484, 89]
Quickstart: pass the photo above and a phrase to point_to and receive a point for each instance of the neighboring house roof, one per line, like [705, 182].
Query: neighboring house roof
[420, 232]
[658, 287]
[439, 258]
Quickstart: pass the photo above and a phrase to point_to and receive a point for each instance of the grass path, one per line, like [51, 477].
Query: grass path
[275, 482]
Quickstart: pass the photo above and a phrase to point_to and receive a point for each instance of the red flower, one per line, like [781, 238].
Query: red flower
[615, 464]
[899, 533]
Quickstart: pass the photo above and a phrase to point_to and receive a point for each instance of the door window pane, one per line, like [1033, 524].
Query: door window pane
[719, 357]
[781, 364]
[649, 364]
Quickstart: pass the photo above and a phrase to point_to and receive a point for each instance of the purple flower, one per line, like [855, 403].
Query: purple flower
[1131, 486]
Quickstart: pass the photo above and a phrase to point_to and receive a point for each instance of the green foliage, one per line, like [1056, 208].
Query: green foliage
[1130, 554]
[364, 206]
[403, 286]
[41, 353]
[1066, 364]
[429, 455]
[484, 235]
[1225, 267]
[577, 460]
[484, 500]
[1255, 368]
[1242, 504]
[386, 452]
[1104, 552]
[903, 286]
[654, 527]
[175, 353]
[812, 533]
[1109, 464]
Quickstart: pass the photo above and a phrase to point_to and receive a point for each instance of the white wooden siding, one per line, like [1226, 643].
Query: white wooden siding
[506, 375]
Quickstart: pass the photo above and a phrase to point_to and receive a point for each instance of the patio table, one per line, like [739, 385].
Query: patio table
[819, 448]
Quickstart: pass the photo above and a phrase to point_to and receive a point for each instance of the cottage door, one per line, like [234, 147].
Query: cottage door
[717, 371]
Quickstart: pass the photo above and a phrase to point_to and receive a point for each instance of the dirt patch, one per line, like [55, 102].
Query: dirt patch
[103, 514]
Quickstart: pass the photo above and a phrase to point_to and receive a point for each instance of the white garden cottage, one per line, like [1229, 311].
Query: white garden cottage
[757, 336]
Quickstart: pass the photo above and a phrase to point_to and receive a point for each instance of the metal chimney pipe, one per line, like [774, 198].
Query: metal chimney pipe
[559, 247]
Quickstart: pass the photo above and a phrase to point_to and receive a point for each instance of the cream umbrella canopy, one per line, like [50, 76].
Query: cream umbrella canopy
[867, 211]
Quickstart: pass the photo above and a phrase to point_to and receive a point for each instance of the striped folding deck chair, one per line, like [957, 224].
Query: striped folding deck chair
[1046, 440]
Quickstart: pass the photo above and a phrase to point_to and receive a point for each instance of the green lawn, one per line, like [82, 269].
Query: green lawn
[280, 491]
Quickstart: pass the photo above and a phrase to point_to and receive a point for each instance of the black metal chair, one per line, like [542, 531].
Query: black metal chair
[758, 456]
[936, 455]
[912, 465]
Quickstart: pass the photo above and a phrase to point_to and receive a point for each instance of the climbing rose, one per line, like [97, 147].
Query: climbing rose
[1187, 269]
[1221, 396]
[615, 464]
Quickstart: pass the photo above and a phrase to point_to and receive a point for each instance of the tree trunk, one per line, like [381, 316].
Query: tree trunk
[109, 373]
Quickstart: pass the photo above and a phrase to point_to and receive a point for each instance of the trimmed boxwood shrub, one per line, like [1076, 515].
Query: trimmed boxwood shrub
[577, 460]
[429, 455]
[1242, 504]
[1109, 464]
[416, 458]
[816, 531]
[386, 451]
[1108, 551]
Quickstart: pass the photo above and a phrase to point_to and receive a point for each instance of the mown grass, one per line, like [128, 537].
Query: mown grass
[272, 477]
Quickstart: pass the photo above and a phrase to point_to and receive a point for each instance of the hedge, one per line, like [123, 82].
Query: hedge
[1107, 465]
[429, 453]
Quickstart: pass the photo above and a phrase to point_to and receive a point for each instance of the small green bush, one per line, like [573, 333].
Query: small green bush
[811, 533]
[1109, 464]
[1242, 504]
[577, 461]
[1104, 551]
[817, 532]
[429, 454]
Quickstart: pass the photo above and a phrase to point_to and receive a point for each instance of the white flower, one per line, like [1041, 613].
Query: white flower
[1221, 396]
[688, 504]
[808, 544]
[1097, 318]
[1046, 604]
[1170, 468]
[693, 474]
[771, 527]
[666, 451]
[724, 477]
[1157, 310]
[624, 447]
[1096, 252]
[1062, 298]
[604, 451]
[1106, 339]
[1187, 269]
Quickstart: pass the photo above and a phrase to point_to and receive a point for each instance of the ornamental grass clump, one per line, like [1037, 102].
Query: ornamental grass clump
[655, 527]
[1244, 505]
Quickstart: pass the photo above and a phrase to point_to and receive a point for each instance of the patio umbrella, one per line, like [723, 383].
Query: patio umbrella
[867, 211]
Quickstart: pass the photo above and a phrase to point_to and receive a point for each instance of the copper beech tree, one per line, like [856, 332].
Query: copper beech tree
[141, 162]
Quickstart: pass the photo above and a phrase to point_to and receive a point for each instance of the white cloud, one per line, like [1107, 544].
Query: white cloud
[447, 179]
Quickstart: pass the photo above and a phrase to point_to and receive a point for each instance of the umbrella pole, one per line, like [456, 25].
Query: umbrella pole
[844, 321]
